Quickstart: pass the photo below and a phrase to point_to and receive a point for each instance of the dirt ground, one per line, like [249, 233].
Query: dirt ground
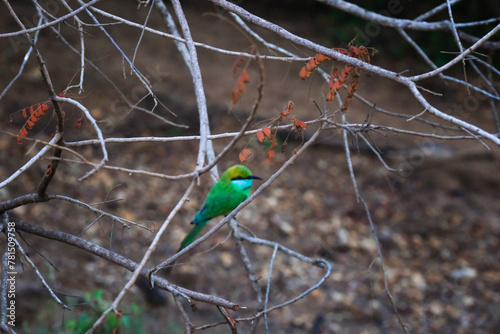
[438, 221]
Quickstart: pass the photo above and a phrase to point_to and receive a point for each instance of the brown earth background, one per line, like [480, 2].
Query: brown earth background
[438, 223]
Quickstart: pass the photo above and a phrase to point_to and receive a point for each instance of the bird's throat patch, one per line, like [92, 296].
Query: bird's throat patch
[242, 184]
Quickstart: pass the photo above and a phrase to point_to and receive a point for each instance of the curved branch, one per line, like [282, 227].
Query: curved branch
[358, 63]
[458, 58]
[416, 24]
[30, 163]
[118, 259]
[51, 23]
[97, 130]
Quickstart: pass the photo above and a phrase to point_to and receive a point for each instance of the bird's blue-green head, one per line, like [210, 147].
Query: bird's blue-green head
[240, 177]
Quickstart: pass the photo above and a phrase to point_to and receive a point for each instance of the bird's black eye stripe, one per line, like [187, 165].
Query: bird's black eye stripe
[251, 177]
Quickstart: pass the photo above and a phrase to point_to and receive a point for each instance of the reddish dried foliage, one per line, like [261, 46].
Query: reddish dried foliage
[338, 80]
[267, 133]
[311, 65]
[240, 87]
[34, 116]
[244, 155]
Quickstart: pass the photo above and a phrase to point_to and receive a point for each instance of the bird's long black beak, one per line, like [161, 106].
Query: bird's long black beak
[254, 177]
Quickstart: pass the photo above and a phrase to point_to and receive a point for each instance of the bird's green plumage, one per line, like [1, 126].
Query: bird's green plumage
[192, 236]
[232, 189]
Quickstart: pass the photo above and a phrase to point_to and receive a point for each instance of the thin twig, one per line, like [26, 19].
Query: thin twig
[189, 325]
[97, 130]
[142, 33]
[40, 276]
[32, 161]
[268, 286]
[360, 198]
[382, 265]
[82, 49]
[194, 69]
[254, 283]
[142, 78]
[181, 41]
[435, 10]
[457, 40]
[417, 115]
[458, 58]
[54, 22]
[379, 156]
[23, 64]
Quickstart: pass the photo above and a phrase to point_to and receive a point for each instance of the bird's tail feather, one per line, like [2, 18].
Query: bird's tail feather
[188, 240]
[191, 237]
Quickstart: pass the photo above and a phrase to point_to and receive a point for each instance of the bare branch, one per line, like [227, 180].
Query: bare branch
[195, 71]
[385, 20]
[249, 269]
[97, 130]
[268, 287]
[458, 58]
[25, 31]
[32, 161]
[117, 259]
[372, 225]
[187, 322]
[23, 64]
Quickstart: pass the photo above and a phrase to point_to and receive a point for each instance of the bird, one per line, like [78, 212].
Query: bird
[232, 189]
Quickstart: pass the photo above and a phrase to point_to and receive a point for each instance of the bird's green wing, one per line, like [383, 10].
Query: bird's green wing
[221, 200]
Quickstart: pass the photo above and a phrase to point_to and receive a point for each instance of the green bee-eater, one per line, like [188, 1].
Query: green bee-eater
[232, 189]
